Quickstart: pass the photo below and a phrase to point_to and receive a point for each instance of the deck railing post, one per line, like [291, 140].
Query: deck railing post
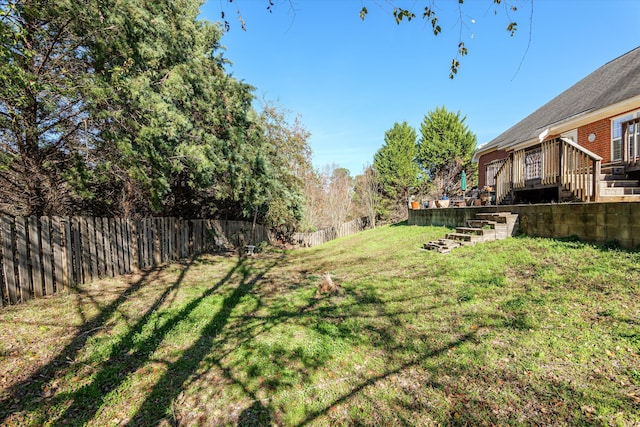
[625, 142]
[596, 180]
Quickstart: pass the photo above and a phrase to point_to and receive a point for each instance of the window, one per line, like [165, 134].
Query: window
[491, 171]
[616, 134]
[533, 164]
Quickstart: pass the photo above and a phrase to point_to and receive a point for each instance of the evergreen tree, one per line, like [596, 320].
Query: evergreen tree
[44, 129]
[397, 170]
[289, 154]
[445, 149]
[125, 108]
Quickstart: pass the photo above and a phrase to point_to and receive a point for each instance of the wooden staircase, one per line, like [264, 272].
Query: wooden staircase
[615, 185]
[485, 227]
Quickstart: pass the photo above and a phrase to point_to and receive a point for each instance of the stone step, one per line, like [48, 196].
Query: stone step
[442, 245]
[469, 238]
[486, 227]
[499, 217]
[481, 233]
[481, 223]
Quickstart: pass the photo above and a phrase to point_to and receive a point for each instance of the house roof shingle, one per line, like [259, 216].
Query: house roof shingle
[616, 81]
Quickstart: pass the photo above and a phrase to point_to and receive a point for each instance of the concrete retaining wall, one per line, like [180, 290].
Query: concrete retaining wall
[591, 222]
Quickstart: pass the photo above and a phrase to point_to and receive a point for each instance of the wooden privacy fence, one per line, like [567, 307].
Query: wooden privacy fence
[322, 236]
[42, 256]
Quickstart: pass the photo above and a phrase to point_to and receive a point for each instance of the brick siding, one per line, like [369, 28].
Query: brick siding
[602, 144]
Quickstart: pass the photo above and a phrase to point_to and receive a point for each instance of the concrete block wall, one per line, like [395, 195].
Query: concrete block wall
[592, 222]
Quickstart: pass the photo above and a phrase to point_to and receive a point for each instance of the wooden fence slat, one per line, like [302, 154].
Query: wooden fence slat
[155, 242]
[167, 239]
[185, 239]
[56, 241]
[106, 234]
[91, 237]
[67, 256]
[47, 254]
[178, 234]
[34, 250]
[161, 238]
[113, 263]
[86, 251]
[171, 236]
[24, 271]
[132, 244]
[117, 243]
[144, 239]
[121, 246]
[152, 242]
[76, 250]
[129, 245]
[10, 288]
[141, 243]
[197, 237]
[99, 246]
[122, 230]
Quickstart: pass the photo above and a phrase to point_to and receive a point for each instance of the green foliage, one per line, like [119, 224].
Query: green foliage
[125, 108]
[445, 149]
[290, 156]
[395, 165]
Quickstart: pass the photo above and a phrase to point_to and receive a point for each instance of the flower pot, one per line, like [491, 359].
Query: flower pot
[415, 204]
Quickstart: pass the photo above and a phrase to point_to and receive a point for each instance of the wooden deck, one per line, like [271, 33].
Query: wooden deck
[561, 171]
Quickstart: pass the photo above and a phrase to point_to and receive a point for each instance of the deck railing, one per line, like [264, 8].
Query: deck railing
[631, 143]
[558, 161]
[503, 180]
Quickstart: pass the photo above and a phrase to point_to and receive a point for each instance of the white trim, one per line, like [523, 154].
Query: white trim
[543, 135]
[572, 135]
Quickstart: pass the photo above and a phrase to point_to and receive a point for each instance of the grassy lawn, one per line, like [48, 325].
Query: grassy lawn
[517, 332]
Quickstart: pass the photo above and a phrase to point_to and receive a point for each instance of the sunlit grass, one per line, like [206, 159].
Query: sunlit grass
[519, 331]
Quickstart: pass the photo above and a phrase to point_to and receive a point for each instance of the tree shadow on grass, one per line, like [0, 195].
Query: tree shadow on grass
[26, 396]
[169, 386]
[130, 353]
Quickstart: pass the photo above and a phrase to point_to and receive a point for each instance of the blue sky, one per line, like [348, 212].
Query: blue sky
[351, 80]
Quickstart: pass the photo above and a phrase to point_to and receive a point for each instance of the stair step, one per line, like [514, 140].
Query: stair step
[612, 170]
[442, 245]
[486, 227]
[619, 191]
[499, 217]
[610, 183]
[482, 234]
[612, 177]
[620, 198]
[481, 223]
[471, 238]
